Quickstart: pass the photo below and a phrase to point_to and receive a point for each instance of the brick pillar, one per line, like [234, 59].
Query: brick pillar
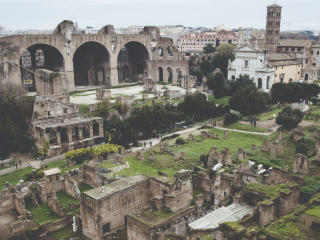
[58, 135]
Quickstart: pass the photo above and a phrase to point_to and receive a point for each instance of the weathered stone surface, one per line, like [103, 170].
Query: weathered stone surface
[139, 155]
[241, 154]
[301, 164]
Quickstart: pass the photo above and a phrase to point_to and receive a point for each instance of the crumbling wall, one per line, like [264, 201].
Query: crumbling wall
[56, 206]
[91, 176]
[72, 186]
[266, 211]
[180, 198]
[288, 201]
[48, 82]
[6, 202]
[301, 164]
[50, 187]
[276, 176]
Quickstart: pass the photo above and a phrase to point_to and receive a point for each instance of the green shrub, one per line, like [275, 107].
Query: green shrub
[34, 175]
[305, 146]
[78, 155]
[84, 108]
[230, 118]
[289, 118]
[180, 141]
[104, 150]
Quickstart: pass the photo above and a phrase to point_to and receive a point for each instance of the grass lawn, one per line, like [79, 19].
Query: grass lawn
[268, 114]
[224, 101]
[84, 187]
[233, 142]
[314, 211]
[62, 165]
[14, 177]
[152, 218]
[313, 115]
[244, 127]
[285, 161]
[107, 164]
[144, 167]
[193, 150]
[42, 214]
[270, 191]
[65, 200]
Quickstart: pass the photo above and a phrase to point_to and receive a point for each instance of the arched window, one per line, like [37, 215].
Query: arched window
[268, 83]
[170, 51]
[259, 83]
[160, 69]
[160, 51]
[169, 75]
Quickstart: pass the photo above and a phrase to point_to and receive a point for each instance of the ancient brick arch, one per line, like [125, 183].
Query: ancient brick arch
[91, 64]
[134, 56]
[67, 42]
[36, 56]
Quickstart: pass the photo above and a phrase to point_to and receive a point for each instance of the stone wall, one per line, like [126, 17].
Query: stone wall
[197, 234]
[180, 198]
[6, 202]
[175, 225]
[288, 201]
[91, 176]
[72, 185]
[55, 186]
[266, 213]
[112, 209]
[54, 226]
[301, 164]
[241, 178]
[48, 82]
[56, 206]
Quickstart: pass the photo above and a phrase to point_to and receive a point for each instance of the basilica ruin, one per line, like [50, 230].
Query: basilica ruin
[102, 59]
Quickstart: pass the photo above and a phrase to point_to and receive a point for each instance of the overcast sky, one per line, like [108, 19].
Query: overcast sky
[46, 14]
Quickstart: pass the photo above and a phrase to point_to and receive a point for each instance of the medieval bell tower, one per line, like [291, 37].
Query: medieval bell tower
[273, 27]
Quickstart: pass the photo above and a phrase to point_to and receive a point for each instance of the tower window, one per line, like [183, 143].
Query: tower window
[106, 228]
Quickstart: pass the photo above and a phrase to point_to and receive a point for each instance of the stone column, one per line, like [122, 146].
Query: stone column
[58, 135]
[114, 76]
[100, 129]
[80, 133]
[91, 130]
[69, 130]
[46, 135]
[165, 75]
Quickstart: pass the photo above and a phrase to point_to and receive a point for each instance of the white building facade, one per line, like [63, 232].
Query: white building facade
[252, 62]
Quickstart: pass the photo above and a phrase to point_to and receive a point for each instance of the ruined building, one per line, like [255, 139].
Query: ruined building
[102, 59]
[127, 201]
[56, 121]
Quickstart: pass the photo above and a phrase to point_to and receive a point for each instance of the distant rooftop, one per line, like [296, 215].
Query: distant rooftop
[294, 42]
[274, 5]
[231, 213]
[116, 186]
